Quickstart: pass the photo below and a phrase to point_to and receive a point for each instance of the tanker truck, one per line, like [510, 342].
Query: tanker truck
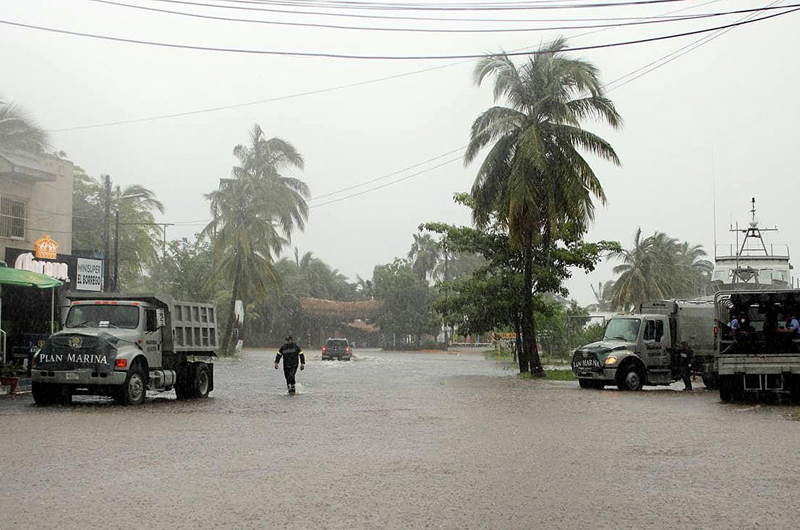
[642, 349]
[122, 345]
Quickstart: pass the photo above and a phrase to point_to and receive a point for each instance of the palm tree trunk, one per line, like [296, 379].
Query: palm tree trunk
[237, 278]
[527, 302]
[536, 363]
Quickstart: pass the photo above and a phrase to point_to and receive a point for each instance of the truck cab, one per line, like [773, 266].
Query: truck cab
[123, 345]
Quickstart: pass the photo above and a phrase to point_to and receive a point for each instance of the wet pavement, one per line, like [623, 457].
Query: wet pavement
[400, 440]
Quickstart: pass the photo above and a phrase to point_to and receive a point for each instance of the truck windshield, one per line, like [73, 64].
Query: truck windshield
[626, 329]
[95, 316]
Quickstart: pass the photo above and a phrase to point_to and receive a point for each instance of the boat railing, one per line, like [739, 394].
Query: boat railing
[776, 251]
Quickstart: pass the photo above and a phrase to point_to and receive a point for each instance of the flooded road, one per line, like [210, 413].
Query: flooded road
[399, 440]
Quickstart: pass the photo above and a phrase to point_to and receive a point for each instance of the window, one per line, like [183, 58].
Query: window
[12, 218]
[151, 320]
[654, 330]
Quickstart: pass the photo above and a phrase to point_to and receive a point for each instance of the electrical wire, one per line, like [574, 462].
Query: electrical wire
[404, 17]
[312, 92]
[491, 6]
[389, 57]
[661, 20]
[668, 58]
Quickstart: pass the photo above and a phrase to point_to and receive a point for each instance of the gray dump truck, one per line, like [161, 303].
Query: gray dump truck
[642, 349]
[763, 359]
[122, 345]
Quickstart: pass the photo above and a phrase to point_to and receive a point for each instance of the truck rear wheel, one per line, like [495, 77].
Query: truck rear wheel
[134, 389]
[630, 378]
[725, 389]
[43, 394]
[201, 383]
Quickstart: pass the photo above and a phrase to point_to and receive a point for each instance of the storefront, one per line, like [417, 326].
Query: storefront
[27, 313]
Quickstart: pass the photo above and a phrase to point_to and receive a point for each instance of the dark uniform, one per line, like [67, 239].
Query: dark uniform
[291, 354]
[685, 357]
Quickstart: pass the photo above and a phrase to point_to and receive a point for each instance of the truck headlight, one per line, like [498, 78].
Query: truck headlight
[611, 359]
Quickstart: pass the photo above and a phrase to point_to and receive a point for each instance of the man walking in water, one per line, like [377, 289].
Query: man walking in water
[290, 352]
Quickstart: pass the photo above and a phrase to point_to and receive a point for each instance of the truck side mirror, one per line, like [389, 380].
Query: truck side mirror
[160, 318]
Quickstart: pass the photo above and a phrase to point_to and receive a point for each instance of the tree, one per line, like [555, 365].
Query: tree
[254, 215]
[425, 255]
[494, 296]
[658, 267]
[534, 177]
[405, 298]
[138, 234]
[19, 131]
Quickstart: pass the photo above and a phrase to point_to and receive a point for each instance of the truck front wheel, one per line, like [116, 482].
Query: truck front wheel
[133, 390]
[43, 394]
[630, 378]
[585, 383]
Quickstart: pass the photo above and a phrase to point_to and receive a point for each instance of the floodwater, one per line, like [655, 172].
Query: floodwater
[400, 440]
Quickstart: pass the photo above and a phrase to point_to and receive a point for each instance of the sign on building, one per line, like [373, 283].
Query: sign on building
[89, 276]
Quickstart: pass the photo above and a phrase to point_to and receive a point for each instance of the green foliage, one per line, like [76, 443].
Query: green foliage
[279, 312]
[139, 237]
[534, 181]
[254, 215]
[405, 298]
[658, 267]
[185, 270]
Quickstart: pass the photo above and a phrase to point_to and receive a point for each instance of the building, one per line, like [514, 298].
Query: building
[35, 201]
[36, 235]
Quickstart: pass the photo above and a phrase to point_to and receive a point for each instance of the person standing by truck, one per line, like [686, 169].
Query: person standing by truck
[685, 358]
[291, 353]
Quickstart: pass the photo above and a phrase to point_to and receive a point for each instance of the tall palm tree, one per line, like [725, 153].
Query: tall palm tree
[425, 254]
[254, 215]
[19, 131]
[534, 177]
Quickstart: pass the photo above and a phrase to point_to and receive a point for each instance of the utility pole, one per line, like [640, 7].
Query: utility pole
[116, 252]
[107, 231]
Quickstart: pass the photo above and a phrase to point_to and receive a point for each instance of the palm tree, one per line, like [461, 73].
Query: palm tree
[658, 267]
[19, 132]
[534, 177]
[694, 268]
[641, 274]
[425, 254]
[254, 215]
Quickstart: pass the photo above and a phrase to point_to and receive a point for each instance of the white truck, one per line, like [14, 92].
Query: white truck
[122, 345]
[642, 349]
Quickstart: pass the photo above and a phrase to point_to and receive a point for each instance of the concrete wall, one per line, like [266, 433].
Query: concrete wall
[48, 206]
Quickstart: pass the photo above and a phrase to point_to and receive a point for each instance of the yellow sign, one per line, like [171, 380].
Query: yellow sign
[46, 248]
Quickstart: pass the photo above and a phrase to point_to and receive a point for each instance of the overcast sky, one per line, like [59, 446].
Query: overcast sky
[718, 118]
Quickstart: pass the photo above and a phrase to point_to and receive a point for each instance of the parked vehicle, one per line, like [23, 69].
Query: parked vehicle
[122, 345]
[642, 349]
[764, 357]
[337, 349]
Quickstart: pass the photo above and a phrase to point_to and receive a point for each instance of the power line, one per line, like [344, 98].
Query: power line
[638, 22]
[312, 92]
[680, 52]
[397, 17]
[387, 57]
[490, 6]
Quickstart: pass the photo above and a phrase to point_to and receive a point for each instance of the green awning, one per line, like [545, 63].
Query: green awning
[9, 276]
